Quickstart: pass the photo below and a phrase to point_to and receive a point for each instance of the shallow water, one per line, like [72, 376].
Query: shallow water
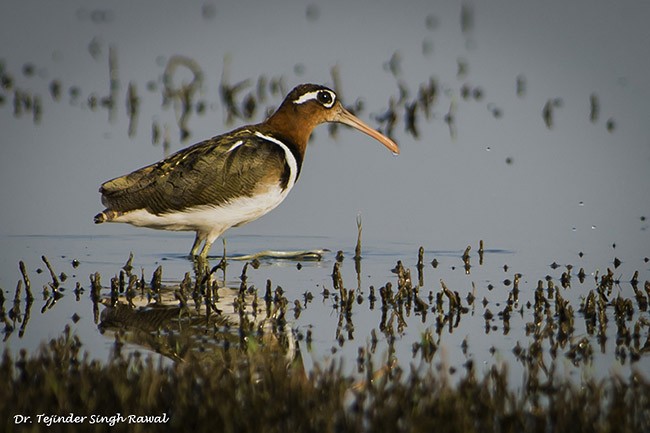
[459, 338]
[536, 189]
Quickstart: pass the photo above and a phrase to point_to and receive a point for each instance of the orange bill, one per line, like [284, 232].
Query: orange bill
[347, 118]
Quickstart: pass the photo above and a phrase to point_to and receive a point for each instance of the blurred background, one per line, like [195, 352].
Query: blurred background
[503, 175]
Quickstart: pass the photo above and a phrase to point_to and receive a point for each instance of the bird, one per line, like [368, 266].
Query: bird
[230, 179]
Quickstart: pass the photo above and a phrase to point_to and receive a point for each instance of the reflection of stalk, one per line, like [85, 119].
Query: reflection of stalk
[15, 312]
[357, 249]
[357, 253]
[420, 267]
[29, 299]
[3, 316]
[95, 294]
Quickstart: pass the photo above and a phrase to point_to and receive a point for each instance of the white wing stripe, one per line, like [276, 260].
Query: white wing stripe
[235, 146]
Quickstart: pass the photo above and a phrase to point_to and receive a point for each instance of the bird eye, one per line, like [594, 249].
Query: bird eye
[325, 98]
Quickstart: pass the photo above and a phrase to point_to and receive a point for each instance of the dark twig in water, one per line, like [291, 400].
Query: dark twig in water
[454, 299]
[357, 248]
[466, 262]
[182, 93]
[337, 87]
[114, 84]
[466, 18]
[410, 118]
[155, 133]
[547, 114]
[388, 118]
[420, 266]
[228, 93]
[55, 279]
[450, 119]
[128, 266]
[14, 313]
[521, 86]
[305, 255]
[594, 108]
[28, 285]
[427, 95]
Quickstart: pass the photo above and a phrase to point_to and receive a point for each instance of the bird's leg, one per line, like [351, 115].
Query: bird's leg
[197, 243]
[209, 240]
[206, 248]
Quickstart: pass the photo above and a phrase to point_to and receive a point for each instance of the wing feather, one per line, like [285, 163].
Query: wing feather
[210, 172]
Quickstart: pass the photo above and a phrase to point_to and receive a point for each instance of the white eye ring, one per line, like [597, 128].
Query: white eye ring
[314, 95]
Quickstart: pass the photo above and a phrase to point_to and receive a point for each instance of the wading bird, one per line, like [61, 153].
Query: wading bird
[231, 179]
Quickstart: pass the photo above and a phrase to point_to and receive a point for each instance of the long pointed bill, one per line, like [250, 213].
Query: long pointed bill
[344, 116]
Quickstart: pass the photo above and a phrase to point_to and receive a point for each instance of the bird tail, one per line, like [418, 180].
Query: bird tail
[107, 215]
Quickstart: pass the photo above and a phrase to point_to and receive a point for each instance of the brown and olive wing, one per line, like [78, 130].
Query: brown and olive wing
[208, 173]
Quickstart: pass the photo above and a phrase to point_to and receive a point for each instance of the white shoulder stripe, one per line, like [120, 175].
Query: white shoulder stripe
[272, 140]
[291, 160]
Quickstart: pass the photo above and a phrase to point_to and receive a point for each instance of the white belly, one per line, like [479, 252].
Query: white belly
[209, 218]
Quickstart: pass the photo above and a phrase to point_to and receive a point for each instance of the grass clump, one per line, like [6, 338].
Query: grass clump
[256, 389]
